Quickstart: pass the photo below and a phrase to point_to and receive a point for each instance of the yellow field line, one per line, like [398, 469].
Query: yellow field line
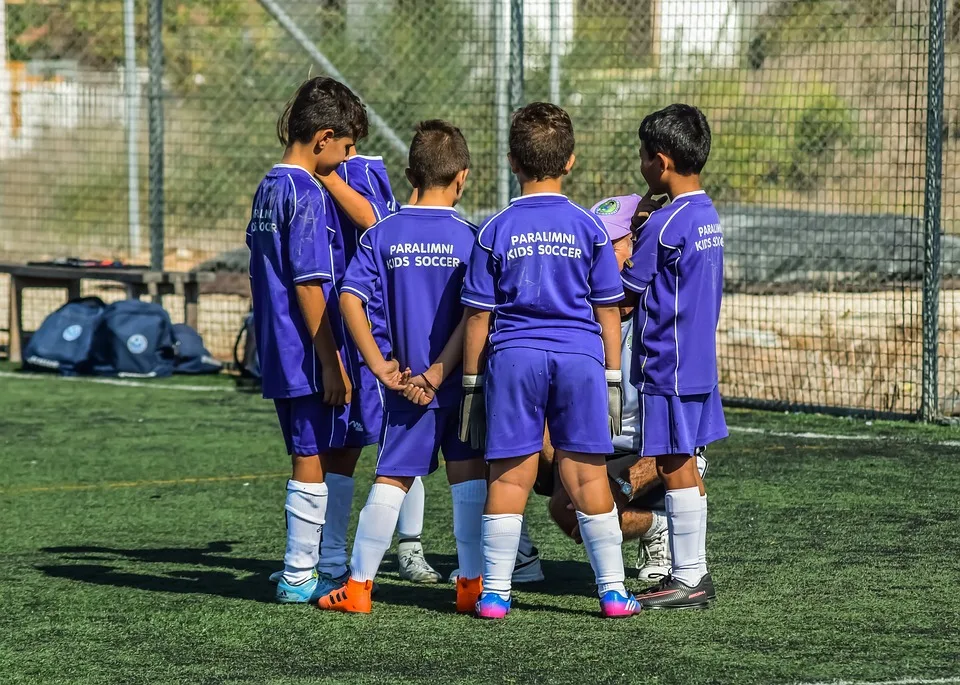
[67, 487]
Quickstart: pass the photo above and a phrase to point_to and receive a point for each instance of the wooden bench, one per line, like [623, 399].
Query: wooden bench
[138, 282]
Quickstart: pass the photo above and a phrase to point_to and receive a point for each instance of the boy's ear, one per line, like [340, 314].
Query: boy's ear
[570, 163]
[666, 164]
[321, 139]
[513, 166]
[461, 182]
[408, 173]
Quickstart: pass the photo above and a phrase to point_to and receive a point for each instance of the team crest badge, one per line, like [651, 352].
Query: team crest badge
[137, 344]
[71, 333]
[609, 207]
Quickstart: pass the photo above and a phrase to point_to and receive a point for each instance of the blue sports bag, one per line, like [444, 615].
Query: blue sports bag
[192, 356]
[135, 339]
[64, 342]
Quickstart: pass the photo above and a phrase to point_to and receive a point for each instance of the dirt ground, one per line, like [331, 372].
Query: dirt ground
[830, 349]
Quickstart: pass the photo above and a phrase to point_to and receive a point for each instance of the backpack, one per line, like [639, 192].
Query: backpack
[64, 341]
[248, 364]
[134, 339]
[192, 356]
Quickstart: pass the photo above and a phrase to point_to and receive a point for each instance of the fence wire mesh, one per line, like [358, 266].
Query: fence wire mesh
[818, 110]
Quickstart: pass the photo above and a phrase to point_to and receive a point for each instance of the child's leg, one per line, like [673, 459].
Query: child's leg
[305, 508]
[468, 487]
[410, 523]
[338, 466]
[585, 478]
[378, 520]
[510, 483]
[306, 499]
[686, 515]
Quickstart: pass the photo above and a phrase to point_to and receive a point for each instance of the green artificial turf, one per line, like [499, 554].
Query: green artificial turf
[139, 524]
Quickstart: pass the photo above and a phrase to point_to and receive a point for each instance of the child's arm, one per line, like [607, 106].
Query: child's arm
[423, 388]
[475, 333]
[387, 372]
[608, 316]
[337, 389]
[473, 411]
[357, 207]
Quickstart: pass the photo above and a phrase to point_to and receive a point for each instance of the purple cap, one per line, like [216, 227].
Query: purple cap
[615, 214]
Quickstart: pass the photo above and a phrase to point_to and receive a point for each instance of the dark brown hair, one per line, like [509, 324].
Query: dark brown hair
[437, 154]
[322, 103]
[541, 140]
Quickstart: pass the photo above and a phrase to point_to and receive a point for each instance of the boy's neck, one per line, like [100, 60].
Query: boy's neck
[547, 185]
[436, 197]
[301, 156]
[679, 185]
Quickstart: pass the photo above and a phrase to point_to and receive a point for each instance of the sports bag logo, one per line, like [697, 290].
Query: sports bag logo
[137, 344]
[71, 333]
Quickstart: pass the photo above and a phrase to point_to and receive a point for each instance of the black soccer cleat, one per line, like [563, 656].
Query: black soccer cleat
[672, 593]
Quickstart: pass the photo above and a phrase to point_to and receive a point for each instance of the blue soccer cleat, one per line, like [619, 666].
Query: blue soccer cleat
[615, 605]
[492, 605]
[303, 593]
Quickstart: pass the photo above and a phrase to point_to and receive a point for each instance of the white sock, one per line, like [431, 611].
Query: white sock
[657, 525]
[501, 537]
[684, 518]
[305, 508]
[468, 500]
[410, 523]
[378, 520]
[333, 544]
[602, 539]
[526, 544]
[702, 542]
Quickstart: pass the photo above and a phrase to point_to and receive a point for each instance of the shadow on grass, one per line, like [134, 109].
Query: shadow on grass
[209, 571]
[198, 578]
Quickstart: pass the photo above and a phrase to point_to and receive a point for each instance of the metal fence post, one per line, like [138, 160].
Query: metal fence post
[929, 398]
[501, 84]
[131, 88]
[555, 51]
[155, 58]
[516, 70]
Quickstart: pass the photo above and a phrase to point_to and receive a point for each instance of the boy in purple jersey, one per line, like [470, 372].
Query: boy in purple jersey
[676, 279]
[360, 188]
[300, 349]
[418, 256]
[542, 289]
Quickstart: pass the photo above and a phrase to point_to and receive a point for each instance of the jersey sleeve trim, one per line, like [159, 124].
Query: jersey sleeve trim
[633, 284]
[606, 296]
[324, 276]
[477, 302]
[488, 248]
[356, 289]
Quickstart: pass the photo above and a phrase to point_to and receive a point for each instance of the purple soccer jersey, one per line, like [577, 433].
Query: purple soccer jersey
[677, 268]
[368, 176]
[290, 242]
[417, 257]
[539, 266]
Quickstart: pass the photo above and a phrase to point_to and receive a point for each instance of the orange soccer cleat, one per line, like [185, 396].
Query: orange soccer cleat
[468, 592]
[352, 598]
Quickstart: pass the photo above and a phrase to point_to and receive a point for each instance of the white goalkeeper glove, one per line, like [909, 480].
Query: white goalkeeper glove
[615, 402]
[473, 413]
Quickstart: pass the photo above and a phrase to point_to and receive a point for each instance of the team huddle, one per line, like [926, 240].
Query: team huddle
[549, 349]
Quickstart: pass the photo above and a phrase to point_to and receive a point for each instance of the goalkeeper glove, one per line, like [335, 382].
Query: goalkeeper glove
[615, 402]
[473, 413]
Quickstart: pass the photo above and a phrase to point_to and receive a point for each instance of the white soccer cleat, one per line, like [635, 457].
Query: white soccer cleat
[527, 569]
[654, 562]
[413, 566]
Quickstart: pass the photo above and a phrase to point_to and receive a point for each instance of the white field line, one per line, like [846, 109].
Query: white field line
[902, 681]
[118, 381]
[828, 436]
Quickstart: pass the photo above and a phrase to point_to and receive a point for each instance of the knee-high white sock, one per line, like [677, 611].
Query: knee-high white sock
[333, 544]
[305, 507]
[468, 500]
[602, 540]
[501, 536]
[378, 520]
[526, 544]
[683, 519]
[702, 542]
[410, 523]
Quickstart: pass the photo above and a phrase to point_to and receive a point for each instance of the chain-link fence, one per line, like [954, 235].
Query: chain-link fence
[819, 111]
